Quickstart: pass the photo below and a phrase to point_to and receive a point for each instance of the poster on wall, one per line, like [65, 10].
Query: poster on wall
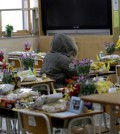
[115, 4]
[116, 13]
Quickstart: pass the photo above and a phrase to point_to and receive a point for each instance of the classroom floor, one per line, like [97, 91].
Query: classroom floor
[83, 131]
[104, 130]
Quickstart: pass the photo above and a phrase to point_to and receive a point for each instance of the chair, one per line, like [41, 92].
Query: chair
[118, 74]
[15, 62]
[41, 88]
[33, 122]
[38, 64]
[89, 117]
[10, 120]
[68, 123]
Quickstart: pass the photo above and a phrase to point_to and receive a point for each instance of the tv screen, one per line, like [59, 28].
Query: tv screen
[76, 14]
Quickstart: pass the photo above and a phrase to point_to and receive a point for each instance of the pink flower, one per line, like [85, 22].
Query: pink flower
[27, 44]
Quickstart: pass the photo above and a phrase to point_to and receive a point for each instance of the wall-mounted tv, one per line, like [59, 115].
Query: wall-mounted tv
[76, 15]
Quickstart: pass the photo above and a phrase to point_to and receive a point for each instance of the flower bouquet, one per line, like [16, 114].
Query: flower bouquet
[81, 84]
[28, 60]
[28, 46]
[1, 56]
[110, 47]
[7, 76]
[87, 86]
[72, 89]
[82, 66]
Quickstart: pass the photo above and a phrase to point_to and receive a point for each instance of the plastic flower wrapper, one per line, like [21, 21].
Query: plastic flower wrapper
[87, 86]
[102, 86]
[26, 75]
[117, 47]
[110, 47]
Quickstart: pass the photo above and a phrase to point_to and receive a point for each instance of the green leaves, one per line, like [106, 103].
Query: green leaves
[28, 61]
[9, 28]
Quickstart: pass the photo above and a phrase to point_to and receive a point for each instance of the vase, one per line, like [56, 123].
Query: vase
[8, 33]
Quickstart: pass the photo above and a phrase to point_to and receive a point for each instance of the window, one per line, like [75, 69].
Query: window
[22, 14]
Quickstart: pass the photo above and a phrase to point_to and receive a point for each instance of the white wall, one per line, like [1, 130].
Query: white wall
[17, 44]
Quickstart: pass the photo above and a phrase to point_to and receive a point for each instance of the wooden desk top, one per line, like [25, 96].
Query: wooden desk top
[102, 73]
[61, 115]
[107, 98]
[38, 81]
[64, 116]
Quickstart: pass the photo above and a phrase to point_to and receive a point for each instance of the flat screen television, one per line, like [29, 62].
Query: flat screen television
[76, 15]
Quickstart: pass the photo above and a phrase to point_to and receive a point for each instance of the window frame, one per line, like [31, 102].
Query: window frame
[20, 32]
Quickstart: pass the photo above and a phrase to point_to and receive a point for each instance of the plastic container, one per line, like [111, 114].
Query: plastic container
[101, 54]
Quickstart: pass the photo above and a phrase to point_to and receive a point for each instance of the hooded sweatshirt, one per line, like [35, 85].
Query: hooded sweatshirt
[57, 62]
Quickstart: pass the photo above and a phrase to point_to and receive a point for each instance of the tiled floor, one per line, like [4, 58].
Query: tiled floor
[3, 130]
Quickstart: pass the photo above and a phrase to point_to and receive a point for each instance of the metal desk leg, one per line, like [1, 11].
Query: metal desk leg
[8, 125]
[112, 120]
[19, 122]
[1, 122]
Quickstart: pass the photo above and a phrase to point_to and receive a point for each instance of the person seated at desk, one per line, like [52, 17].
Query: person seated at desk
[58, 61]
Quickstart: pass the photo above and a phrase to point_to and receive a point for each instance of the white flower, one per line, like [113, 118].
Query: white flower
[71, 66]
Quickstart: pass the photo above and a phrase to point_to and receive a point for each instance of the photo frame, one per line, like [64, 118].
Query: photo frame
[76, 105]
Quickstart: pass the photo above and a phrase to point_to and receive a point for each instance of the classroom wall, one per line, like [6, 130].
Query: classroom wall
[88, 46]
[17, 44]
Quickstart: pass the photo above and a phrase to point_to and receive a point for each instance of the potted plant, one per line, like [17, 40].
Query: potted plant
[110, 47]
[8, 30]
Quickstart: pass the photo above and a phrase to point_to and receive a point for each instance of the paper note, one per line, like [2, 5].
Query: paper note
[31, 121]
[13, 63]
[63, 114]
[36, 62]
[115, 4]
[116, 19]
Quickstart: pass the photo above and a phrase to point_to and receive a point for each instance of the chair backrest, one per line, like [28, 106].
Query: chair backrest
[41, 88]
[38, 63]
[34, 122]
[15, 62]
[118, 74]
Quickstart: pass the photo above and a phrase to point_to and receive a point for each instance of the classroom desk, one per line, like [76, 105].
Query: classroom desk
[111, 99]
[37, 81]
[63, 119]
[102, 73]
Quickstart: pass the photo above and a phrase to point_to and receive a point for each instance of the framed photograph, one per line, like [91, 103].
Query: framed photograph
[76, 105]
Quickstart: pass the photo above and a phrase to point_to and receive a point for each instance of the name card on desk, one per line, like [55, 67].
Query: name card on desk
[112, 90]
[31, 121]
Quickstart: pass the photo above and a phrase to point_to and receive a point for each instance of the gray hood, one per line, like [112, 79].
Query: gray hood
[64, 44]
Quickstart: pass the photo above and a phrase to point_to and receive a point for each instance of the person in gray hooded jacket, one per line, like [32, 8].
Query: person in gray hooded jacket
[58, 60]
